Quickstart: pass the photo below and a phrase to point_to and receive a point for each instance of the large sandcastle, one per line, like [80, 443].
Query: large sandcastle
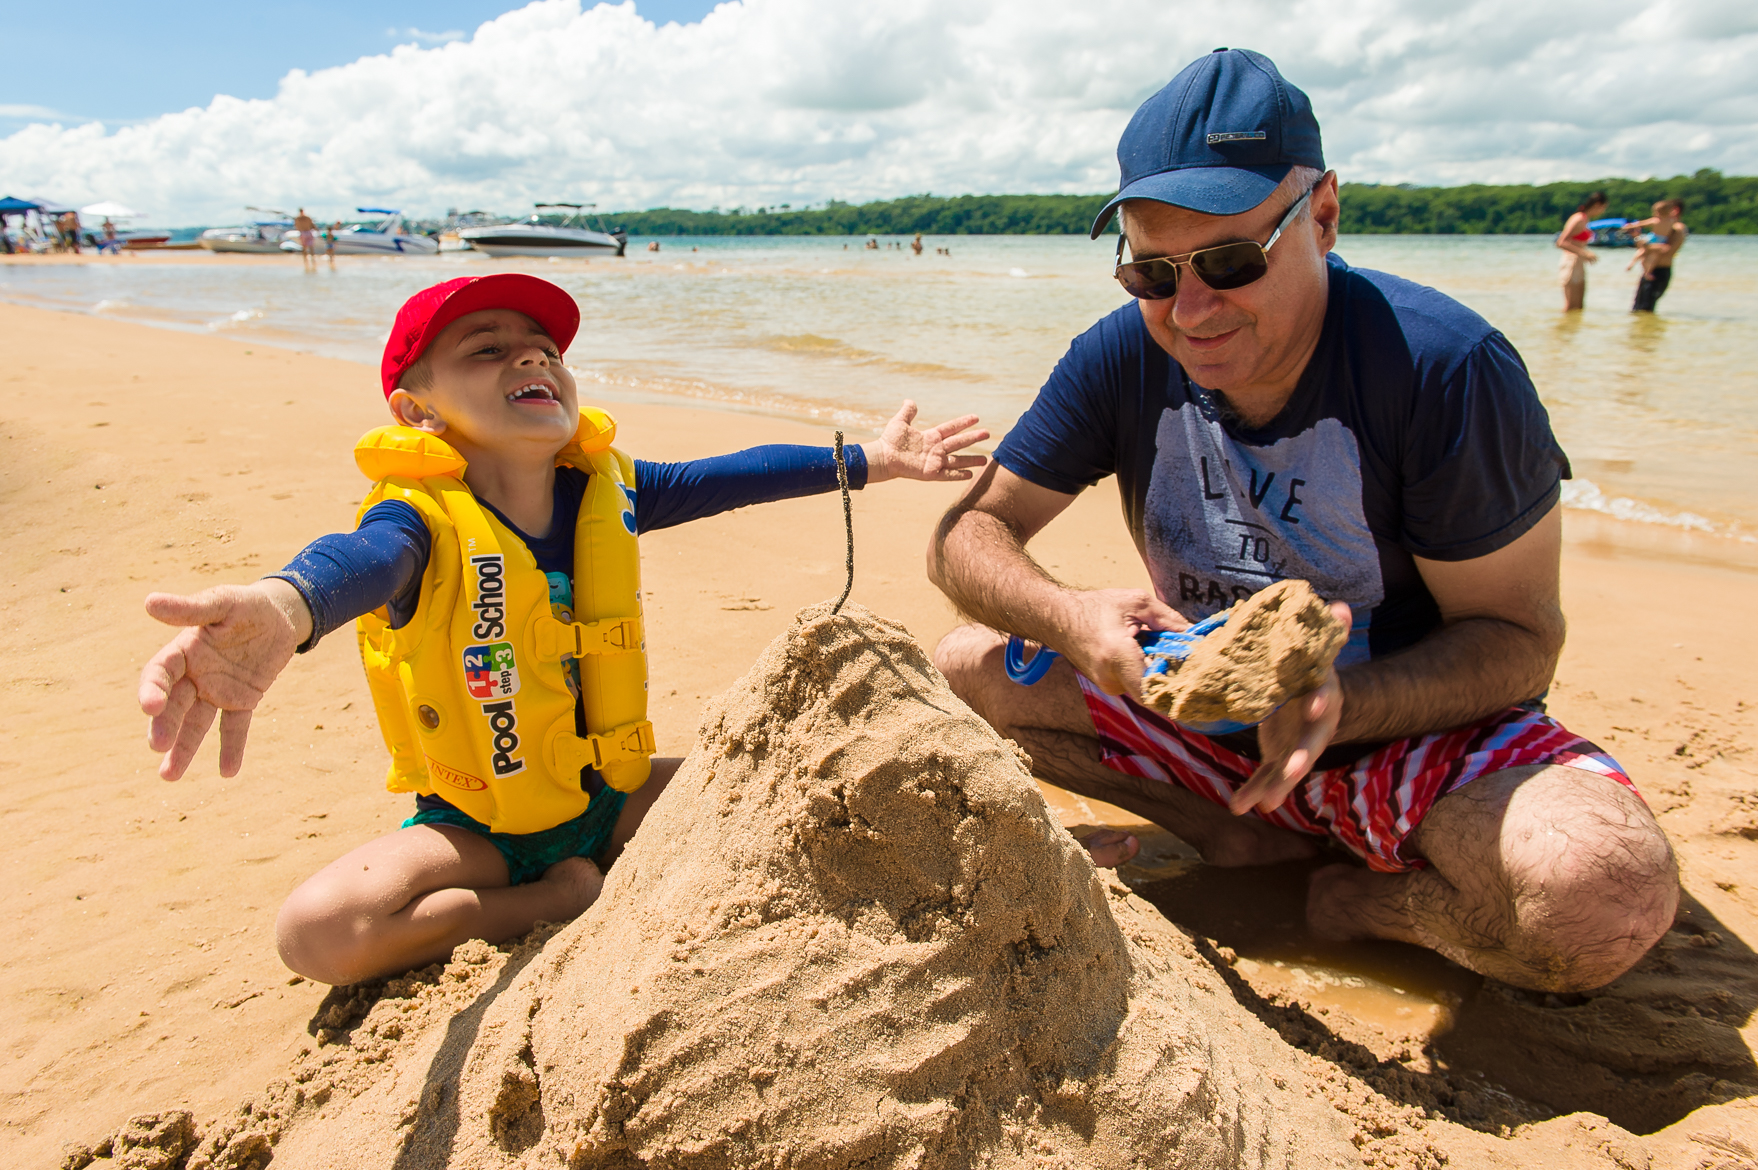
[850, 934]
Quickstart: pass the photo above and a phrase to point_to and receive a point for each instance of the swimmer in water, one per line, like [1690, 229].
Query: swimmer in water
[1655, 250]
[1574, 240]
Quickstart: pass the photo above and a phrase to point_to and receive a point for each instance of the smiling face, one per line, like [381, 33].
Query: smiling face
[495, 384]
[1250, 343]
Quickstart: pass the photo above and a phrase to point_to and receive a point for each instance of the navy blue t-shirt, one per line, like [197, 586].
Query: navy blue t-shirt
[1414, 431]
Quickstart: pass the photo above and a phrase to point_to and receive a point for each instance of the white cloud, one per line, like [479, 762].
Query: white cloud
[427, 38]
[768, 101]
[31, 112]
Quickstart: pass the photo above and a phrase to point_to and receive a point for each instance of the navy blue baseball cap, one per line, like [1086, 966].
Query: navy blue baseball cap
[1218, 139]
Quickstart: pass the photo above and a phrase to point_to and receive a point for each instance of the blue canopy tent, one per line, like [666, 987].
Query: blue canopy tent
[10, 206]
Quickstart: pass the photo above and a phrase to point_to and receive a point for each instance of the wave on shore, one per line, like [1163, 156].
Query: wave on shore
[1588, 496]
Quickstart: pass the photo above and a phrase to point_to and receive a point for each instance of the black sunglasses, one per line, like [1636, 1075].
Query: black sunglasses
[1223, 267]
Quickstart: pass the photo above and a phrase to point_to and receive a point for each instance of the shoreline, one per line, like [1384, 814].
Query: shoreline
[143, 972]
[1661, 537]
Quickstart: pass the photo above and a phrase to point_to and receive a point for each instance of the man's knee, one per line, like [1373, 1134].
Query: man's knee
[1595, 885]
[970, 658]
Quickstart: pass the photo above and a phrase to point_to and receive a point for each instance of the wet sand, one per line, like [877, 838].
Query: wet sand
[152, 256]
[141, 971]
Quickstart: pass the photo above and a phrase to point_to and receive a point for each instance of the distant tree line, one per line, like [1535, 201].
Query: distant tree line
[960, 215]
[1714, 203]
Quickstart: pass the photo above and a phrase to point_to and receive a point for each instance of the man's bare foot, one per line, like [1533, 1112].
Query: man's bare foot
[1110, 848]
[1346, 903]
[577, 883]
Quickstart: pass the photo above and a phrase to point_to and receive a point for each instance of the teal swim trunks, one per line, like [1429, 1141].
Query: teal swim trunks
[529, 854]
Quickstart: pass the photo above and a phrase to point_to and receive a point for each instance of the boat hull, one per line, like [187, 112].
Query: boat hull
[259, 247]
[534, 240]
[374, 244]
[547, 249]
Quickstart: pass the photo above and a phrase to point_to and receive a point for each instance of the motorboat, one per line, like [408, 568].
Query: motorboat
[1610, 233]
[387, 237]
[535, 237]
[457, 221]
[259, 235]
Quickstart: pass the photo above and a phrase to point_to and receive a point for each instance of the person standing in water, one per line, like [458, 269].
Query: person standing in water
[1574, 240]
[1656, 248]
[307, 229]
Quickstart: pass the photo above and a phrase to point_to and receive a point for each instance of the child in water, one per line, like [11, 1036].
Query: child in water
[493, 573]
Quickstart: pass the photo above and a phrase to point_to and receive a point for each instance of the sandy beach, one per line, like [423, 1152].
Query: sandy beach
[141, 973]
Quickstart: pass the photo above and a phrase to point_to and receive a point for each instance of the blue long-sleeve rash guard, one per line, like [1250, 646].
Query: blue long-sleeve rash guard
[381, 562]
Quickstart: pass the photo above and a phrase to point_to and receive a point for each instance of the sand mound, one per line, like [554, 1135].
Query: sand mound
[849, 934]
[1276, 644]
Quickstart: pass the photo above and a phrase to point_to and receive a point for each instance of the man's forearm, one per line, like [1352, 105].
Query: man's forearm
[983, 568]
[1457, 675]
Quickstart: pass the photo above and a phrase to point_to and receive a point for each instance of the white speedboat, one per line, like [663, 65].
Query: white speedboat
[387, 237]
[534, 237]
[259, 235]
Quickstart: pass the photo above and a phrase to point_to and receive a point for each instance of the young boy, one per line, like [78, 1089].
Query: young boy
[493, 574]
[1655, 249]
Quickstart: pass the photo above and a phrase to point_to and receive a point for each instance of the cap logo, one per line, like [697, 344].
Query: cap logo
[1238, 136]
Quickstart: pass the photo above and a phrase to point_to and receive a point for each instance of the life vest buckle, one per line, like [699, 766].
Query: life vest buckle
[559, 641]
[609, 636]
[631, 741]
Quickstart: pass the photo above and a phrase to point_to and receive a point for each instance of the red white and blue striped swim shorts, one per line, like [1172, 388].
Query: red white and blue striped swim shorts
[1371, 806]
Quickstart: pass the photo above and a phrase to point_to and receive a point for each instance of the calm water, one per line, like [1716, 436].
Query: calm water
[1660, 414]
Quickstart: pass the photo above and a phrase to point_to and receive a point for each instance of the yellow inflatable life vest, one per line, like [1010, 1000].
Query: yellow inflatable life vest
[472, 693]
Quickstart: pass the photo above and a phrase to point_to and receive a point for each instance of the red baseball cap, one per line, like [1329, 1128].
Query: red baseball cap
[423, 315]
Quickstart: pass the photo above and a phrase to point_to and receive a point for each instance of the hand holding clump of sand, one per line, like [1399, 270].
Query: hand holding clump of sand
[236, 639]
[1272, 665]
[1291, 738]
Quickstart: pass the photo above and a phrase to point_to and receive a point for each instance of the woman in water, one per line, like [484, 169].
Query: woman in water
[1573, 240]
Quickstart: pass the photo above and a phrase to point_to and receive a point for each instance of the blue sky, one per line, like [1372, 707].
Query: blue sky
[136, 60]
[199, 110]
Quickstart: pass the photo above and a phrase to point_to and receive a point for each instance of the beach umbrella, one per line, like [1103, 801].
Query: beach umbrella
[49, 206]
[109, 209]
[14, 206]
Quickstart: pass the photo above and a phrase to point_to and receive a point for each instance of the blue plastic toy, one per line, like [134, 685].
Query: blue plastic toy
[1162, 648]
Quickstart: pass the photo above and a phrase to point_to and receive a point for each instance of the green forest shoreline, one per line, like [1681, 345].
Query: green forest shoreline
[1714, 204]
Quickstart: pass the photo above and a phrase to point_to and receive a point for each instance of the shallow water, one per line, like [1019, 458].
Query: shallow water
[1659, 413]
[1260, 913]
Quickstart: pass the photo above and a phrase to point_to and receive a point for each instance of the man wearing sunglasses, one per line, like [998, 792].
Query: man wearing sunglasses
[1272, 413]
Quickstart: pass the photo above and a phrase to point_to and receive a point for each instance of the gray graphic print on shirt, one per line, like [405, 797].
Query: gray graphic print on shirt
[1224, 519]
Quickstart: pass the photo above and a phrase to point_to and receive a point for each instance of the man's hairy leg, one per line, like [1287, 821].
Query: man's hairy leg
[1051, 722]
[1549, 878]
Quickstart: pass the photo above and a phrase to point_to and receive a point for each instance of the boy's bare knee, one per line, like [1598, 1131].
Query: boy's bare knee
[319, 936]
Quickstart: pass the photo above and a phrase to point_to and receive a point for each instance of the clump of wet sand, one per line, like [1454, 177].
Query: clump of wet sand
[1277, 644]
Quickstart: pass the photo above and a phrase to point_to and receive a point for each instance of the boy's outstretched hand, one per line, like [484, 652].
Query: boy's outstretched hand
[903, 452]
[236, 639]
